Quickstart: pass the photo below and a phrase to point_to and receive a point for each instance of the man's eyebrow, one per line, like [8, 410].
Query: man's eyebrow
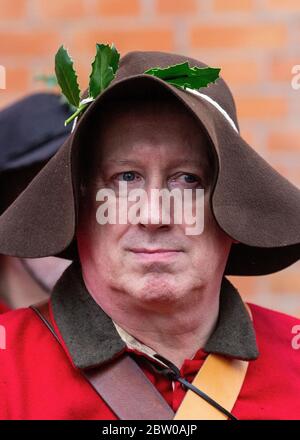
[176, 162]
[124, 161]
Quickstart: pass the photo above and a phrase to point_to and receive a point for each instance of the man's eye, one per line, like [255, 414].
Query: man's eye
[187, 179]
[190, 178]
[127, 176]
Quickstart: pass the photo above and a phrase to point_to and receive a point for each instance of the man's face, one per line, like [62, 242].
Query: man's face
[150, 146]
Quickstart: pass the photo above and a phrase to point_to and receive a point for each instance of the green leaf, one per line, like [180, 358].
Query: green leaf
[104, 67]
[182, 75]
[66, 76]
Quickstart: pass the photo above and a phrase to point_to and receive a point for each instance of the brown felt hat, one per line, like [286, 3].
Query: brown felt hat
[250, 200]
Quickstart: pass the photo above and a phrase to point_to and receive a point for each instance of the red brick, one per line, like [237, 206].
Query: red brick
[294, 176]
[176, 7]
[107, 8]
[83, 69]
[288, 5]
[284, 170]
[290, 173]
[29, 43]
[245, 285]
[248, 136]
[286, 281]
[12, 9]
[9, 98]
[264, 36]
[17, 79]
[37, 85]
[284, 141]
[261, 107]
[233, 5]
[82, 66]
[65, 9]
[281, 68]
[280, 168]
[125, 40]
[239, 72]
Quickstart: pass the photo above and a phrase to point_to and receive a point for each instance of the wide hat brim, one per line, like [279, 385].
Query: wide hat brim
[250, 200]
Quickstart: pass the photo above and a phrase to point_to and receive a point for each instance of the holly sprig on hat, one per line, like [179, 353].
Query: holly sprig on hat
[183, 76]
[104, 68]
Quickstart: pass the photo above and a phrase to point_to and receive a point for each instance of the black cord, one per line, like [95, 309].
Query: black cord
[206, 397]
[174, 373]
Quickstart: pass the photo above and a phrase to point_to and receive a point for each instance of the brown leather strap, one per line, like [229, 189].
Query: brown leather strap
[134, 397]
[220, 378]
[122, 384]
[126, 389]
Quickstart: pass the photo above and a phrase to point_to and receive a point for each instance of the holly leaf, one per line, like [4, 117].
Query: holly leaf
[66, 76]
[183, 76]
[104, 67]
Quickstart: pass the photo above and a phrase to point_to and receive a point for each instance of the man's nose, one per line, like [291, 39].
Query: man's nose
[154, 213]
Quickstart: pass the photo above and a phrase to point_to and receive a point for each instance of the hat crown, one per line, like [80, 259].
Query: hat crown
[137, 62]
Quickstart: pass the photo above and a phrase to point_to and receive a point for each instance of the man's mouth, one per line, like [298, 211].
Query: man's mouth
[155, 254]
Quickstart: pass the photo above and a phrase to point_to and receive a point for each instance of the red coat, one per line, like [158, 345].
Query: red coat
[40, 379]
[3, 308]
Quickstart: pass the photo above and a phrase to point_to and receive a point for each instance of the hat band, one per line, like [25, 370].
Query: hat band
[216, 105]
[195, 92]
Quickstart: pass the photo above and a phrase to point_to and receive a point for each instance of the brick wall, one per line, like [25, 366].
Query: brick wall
[256, 43]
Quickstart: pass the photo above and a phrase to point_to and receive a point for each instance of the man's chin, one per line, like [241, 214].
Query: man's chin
[154, 288]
